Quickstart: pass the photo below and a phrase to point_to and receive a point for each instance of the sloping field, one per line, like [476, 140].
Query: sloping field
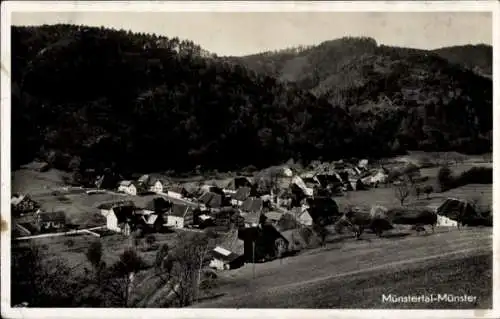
[385, 196]
[357, 274]
[34, 182]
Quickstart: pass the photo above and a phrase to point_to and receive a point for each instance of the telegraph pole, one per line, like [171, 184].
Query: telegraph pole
[253, 258]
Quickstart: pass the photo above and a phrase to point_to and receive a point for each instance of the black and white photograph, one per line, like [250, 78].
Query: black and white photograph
[225, 155]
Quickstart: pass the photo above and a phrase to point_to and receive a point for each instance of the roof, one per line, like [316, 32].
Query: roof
[52, 216]
[251, 218]
[238, 182]
[211, 199]
[232, 243]
[150, 220]
[242, 193]
[116, 204]
[224, 254]
[125, 183]
[180, 210]
[274, 215]
[157, 203]
[252, 205]
[177, 188]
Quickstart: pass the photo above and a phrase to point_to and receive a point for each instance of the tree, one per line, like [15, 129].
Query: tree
[182, 268]
[418, 190]
[150, 240]
[402, 190]
[120, 277]
[39, 281]
[94, 256]
[428, 189]
[320, 228]
[445, 178]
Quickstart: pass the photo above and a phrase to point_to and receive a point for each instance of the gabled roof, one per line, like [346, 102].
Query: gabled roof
[150, 220]
[111, 205]
[180, 210]
[125, 183]
[242, 193]
[211, 199]
[177, 189]
[252, 205]
[274, 216]
[238, 182]
[251, 218]
[224, 254]
[52, 216]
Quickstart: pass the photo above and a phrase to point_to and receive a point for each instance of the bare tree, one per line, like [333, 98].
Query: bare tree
[182, 268]
[120, 276]
[402, 191]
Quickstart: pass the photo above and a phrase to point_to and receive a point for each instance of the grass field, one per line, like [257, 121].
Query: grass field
[355, 274]
[385, 196]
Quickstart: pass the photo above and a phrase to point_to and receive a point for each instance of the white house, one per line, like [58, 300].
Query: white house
[156, 186]
[180, 216]
[116, 214]
[305, 218]
[127, 187]
[302, 215]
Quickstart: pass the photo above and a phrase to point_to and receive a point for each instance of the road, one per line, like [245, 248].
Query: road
[355, 274]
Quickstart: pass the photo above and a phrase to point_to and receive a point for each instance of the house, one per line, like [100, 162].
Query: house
[153, 221]
[241, 195]
[262, 243]
[128, 187]
[107, 181]
[236, 183]
[252, 204]
[252, 219]
[296, 180]
[157, 205]
[212, 200]
[177, 191]
[223, 259]
[22, 204]
[180, 216]
[302, 215]
[118, 215]
[157, 185]
[50, 221]
[236, 256]
[226, 216]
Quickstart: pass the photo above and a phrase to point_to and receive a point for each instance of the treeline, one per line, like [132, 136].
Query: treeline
[104, 98]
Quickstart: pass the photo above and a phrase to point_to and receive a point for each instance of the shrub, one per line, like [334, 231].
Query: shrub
[476, 175]
[427, 190]
[445, 178]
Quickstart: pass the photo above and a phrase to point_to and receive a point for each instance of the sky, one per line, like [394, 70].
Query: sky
[242, 33]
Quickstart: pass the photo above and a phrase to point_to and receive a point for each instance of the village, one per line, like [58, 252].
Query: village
[275, 213]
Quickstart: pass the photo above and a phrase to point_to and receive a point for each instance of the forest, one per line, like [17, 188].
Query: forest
[87, 97]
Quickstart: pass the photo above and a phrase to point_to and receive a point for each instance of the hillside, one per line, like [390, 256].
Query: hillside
[414, 99]
[94, 98]
[478, 58]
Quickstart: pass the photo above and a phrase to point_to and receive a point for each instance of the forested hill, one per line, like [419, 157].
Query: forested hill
[478, 58]
[410, 98]
[145, 103]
